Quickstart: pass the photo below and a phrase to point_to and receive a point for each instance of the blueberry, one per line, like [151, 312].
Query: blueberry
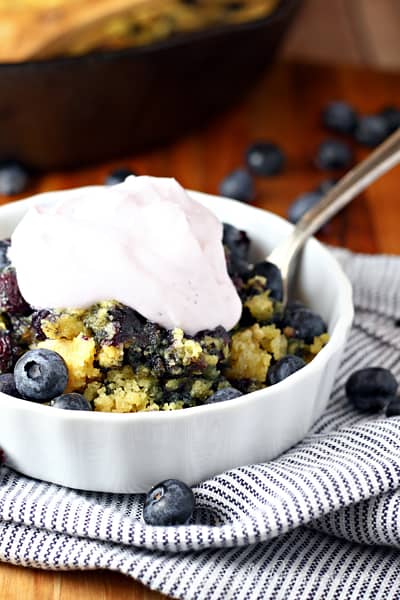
[237, 241]
[393, 407]
[118, 176]
[36, 322]
[238, 245]
[339, 116]
[325, 186]
[14, 178]
[118, 324]
[391, 114]
[293, 306]
[227, 393]
[372, 130]
[72, 401]
[170, 502]
[148, 346]
[333, 154]
[238, 185]
[302, 204]
[6, 352]
[305, 323]
[7, 385]
[306, 201]
[371, 388]
[11, 299]
[41, 375]
[272, 275]
[283, 368]
[265, 158]
[4, 260]
[215, 342]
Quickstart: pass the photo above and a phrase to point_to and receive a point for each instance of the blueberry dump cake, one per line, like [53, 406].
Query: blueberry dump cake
[106, 354]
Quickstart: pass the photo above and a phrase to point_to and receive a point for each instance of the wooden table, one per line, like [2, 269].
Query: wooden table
[359, 32]
[284, 107]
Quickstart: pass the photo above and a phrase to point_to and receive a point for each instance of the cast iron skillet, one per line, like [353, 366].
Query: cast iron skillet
[72, 111]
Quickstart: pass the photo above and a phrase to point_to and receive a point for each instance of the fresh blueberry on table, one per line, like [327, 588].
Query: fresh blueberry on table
[325, 186]
[339, 116]
[4, 260]
[305, 323]
[6, 352]
[71, 401]
[371, 388]
[227, 393]
[265, 159]
[333, 154]
[41, 375]
[371, 130]
[273, 276]
[393, 407]
[118, 176]
[14, 178]
[391, 115]
[7, 385]
[302, 204]
[306, 201]
[283, 368]
[238, 185]
[170, 502]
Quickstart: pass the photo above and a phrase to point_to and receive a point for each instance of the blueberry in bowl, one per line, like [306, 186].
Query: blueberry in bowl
[208, 435]
[72, 401]
[40, 375]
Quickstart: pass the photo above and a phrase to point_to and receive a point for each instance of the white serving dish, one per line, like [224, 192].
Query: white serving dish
[131, 452]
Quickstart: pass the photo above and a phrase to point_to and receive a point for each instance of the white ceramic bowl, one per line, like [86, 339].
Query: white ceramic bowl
[130, 452]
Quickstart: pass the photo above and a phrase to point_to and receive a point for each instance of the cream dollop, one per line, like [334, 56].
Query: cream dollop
[143, 242]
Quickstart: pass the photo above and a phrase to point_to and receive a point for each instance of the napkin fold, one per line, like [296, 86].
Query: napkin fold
[322, 520]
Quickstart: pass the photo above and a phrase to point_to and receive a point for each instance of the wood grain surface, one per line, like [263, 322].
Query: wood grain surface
[285, 108]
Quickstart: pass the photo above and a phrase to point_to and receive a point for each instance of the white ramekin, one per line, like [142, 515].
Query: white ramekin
[130, 452]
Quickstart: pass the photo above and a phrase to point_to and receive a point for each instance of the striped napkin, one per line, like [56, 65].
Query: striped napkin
[321, 521]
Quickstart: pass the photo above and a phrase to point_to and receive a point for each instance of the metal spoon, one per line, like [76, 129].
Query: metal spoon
[382, 159]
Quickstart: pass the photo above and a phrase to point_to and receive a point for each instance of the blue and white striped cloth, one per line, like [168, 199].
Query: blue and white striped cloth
[321, 521]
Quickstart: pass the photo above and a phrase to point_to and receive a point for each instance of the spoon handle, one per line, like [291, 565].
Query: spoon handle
[382, 159]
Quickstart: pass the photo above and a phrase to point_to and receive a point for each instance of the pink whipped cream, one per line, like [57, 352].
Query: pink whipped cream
[143, 242]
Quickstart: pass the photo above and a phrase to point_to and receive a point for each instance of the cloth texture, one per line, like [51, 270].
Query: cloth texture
[320, 521]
